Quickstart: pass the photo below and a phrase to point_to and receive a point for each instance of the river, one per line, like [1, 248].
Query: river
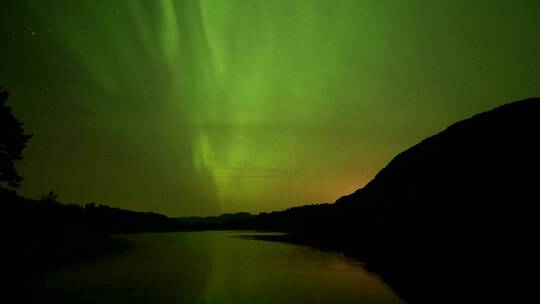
[215, 267]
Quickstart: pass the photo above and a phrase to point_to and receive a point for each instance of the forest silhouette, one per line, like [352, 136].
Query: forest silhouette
[435, 223]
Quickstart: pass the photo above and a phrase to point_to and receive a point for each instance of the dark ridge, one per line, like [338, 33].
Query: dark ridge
[454, 217]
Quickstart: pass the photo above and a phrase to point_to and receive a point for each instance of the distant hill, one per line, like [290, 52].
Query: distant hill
[228, 221]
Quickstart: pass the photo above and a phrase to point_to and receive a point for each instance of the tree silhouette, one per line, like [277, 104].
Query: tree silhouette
[12, 143]
[50, 197]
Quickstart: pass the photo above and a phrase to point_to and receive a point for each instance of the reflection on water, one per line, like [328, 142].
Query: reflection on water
[215, 267]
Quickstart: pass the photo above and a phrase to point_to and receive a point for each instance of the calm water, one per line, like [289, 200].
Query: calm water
[216, 267]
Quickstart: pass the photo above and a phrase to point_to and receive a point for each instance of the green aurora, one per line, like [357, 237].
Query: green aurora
[212, 106]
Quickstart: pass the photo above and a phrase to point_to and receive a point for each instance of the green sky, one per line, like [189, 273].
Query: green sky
[211, 106]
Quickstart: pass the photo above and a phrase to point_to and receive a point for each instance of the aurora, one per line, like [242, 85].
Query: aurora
[212, 106]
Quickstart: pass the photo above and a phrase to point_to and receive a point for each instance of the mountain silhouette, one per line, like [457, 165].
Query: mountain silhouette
[454, 218]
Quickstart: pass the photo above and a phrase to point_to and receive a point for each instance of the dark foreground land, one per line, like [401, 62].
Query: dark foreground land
[451, 220]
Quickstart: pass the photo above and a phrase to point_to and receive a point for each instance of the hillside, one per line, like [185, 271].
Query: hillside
[442, 216]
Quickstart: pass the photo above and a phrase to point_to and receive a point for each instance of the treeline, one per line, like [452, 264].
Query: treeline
[44, 234]
[291, 219]
[48, 212]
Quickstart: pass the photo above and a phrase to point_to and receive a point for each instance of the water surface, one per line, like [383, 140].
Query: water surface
[215, 267]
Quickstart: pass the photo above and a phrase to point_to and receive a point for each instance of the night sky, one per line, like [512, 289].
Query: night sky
[212, 106]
